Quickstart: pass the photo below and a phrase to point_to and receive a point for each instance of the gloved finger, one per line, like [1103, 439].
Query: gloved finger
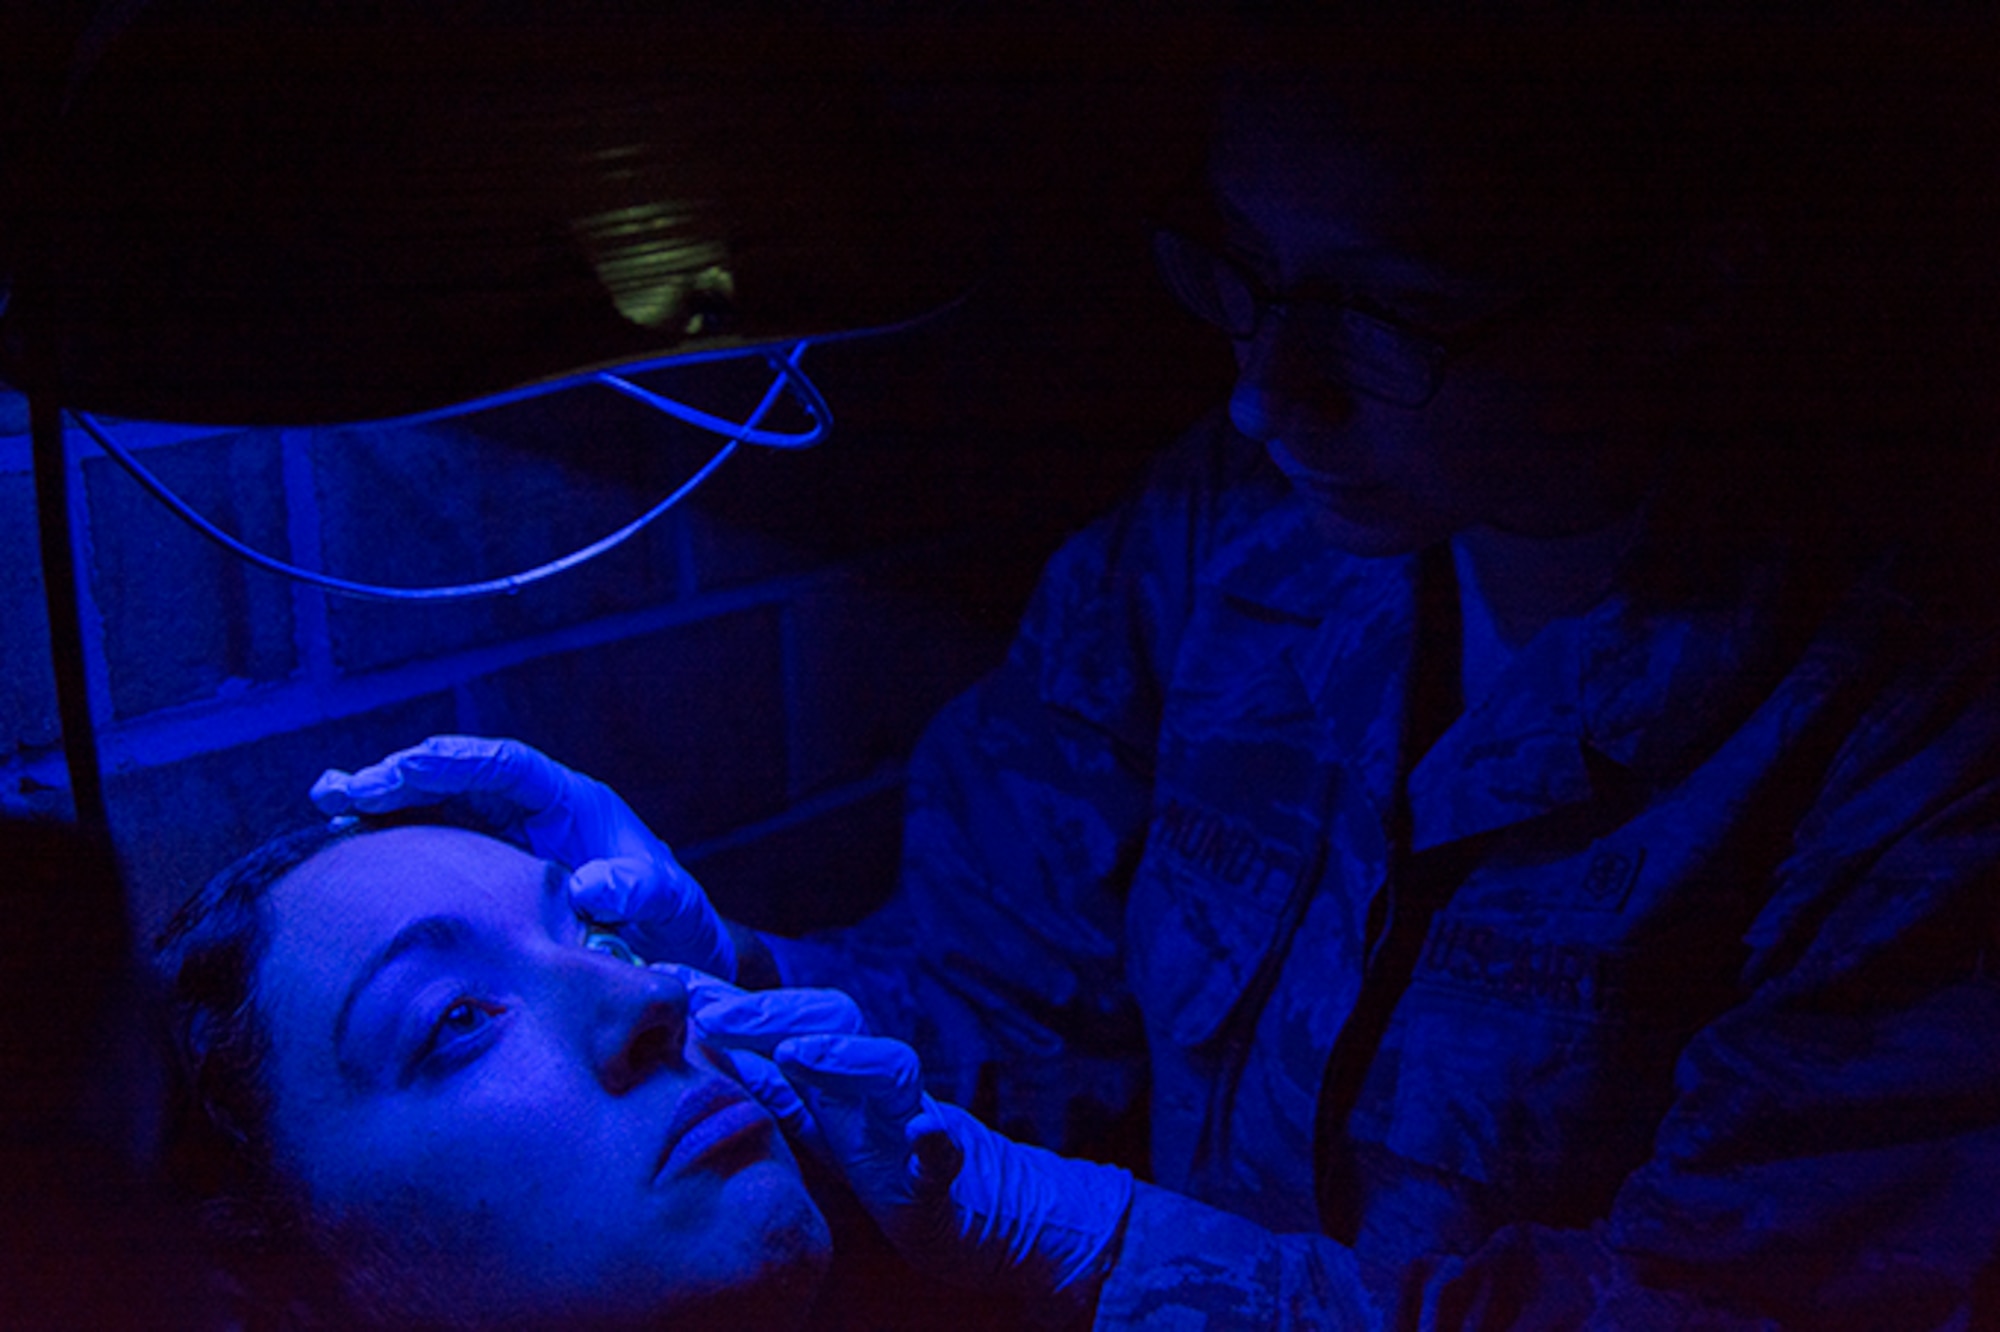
[761, 1078]
[656, 907]
[446, 765]
[335, 792]
[569, 817]
[762, 1019]
[861, 1092]
[627, 876]
[651, 890]
[590, 821]
[935, 1155]
[883, 1073]
[703, 988]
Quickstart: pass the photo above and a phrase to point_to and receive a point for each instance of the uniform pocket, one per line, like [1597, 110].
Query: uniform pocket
[1518, 1058]
[1211, 905]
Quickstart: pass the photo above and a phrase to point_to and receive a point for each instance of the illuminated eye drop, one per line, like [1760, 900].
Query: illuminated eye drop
[604, 941]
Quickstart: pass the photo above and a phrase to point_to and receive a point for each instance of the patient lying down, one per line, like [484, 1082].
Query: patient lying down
[419, 1093]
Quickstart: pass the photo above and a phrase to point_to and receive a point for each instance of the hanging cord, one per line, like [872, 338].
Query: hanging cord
[786, 374]
[803, 389]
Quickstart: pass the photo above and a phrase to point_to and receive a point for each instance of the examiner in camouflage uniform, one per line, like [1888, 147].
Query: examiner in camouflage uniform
[1530, 886]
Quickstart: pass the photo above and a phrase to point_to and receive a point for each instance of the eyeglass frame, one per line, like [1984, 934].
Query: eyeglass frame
[1432, 350]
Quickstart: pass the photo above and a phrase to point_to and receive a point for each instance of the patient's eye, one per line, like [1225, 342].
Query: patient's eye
[599, 940]
[459, 1033]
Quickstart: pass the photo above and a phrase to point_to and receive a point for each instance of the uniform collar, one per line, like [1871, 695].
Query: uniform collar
[1624, 697]
[1346, 632]
[1627, 693]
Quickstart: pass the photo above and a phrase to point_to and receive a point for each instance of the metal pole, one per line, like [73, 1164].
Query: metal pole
[36, 308]
[61, 588]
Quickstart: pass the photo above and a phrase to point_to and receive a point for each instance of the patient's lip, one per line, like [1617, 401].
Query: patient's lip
[716, 1126]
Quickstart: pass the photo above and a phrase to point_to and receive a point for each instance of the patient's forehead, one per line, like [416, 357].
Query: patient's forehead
[328, 916]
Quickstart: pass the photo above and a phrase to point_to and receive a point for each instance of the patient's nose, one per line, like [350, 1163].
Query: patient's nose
[641, 1025]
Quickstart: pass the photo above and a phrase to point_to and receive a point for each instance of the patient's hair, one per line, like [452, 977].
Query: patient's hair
[284, 1270]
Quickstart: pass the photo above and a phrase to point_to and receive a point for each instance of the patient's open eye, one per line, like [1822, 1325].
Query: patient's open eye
[457, 1034]
[599, 940]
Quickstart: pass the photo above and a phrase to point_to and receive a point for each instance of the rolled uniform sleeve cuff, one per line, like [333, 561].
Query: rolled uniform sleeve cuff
[756, 968]
[1183, 1264]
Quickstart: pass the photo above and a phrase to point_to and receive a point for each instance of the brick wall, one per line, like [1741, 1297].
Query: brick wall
[751, 672]
[750, 683]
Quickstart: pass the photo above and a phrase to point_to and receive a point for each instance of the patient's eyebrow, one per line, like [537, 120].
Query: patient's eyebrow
[436, 932]
[558, 916]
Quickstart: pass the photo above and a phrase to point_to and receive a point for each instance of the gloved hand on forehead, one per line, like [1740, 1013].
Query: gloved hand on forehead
[623, 877]
[959, 1201]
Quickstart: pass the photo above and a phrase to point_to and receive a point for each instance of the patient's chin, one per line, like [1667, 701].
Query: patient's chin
[797, 1258]
[780, 1276]
[764, 1274]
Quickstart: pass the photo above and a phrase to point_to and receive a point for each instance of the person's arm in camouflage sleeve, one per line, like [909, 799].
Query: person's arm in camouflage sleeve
[1824, 1169]
[1000, 957]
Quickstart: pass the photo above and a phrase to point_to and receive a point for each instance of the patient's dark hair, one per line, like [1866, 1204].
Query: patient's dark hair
[218, 1148]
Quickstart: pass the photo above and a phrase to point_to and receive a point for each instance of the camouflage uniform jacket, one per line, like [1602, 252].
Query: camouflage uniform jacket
[1704, 1030]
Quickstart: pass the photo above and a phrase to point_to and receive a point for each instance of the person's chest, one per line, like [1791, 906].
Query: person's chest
[1603, 872]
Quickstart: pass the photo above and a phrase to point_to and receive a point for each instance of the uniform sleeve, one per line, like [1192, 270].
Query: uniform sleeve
[1834, 1150]
[1823, 1171]
[999, 958]
[1184, 1265]
[1831, 1159]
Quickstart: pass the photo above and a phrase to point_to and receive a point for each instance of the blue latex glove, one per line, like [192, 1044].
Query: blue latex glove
[958, 1200]
[623, 877]
[748, 1026]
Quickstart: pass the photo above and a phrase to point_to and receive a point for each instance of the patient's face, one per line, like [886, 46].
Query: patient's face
[503, 1122]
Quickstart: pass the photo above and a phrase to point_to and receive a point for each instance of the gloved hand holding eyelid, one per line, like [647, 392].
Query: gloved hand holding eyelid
[624, 877]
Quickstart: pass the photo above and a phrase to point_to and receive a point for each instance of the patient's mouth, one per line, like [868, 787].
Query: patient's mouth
[716, 1127]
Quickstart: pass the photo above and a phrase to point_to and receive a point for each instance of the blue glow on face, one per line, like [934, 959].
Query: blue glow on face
[475, 1079]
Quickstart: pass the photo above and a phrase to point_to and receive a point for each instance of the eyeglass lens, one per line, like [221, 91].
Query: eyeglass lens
[1374, 358]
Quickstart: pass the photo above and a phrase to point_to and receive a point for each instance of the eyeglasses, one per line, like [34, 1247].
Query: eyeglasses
[1374, 352]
